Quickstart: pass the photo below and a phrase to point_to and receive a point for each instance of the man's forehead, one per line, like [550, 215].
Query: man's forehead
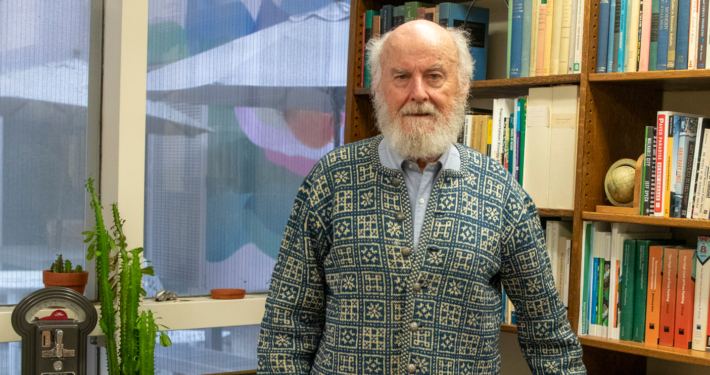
[422, 39]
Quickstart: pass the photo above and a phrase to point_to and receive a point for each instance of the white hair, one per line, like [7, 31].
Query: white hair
[464, 67]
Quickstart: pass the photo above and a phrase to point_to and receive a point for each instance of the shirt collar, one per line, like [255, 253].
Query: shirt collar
[389, 158]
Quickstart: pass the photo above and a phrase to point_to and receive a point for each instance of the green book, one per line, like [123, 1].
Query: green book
[410, 9]
[510, 37]
[523, 116]
[368, 35]
[600, 293]
[587, 278]
[628, 286]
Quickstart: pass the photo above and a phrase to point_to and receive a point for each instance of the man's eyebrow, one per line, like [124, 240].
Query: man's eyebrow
[397, 71]
[435, 67]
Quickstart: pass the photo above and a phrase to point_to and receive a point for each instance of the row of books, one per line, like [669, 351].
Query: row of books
[558, 236]
[640, 285]
[445, 14]
[647, 35]
[546, 118]
[544, 37]
[676, 167]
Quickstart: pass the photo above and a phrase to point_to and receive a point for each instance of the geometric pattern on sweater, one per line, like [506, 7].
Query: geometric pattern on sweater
[349, 295]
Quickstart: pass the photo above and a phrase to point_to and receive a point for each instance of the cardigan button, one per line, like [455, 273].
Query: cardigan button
[396, 181]
[399, 217]
[413, 326]
[406, 252]
[411, 368]
[417, 287]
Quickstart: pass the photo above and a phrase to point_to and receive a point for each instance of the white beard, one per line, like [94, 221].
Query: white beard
[420, 137]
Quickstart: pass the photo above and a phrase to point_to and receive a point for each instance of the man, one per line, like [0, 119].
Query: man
[394, 255]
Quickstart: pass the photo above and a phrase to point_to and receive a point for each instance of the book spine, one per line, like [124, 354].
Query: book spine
[702, 294]
[672, 34]
[702, 178]
[565, 28]
[523, 126]
[687, 176]
[669, 281]
[511, 139]
[652, 193]
[369, 33]
[632, 35]
[583, 328]
[617, 32]
[640, 291]
[621, 60]
[527, 25]
[548, 36]
[695, 169]
[594, 297]
[685, 295]
[556, 37]
[516, 47]
[518, 120]
[572, 37]
[653, 299]
[677, 162]
[541, 32]
[682, 35]
[534, 25]
[606, 285]
[645, 35]
[510, 38]
[668, 167]
[702, 33]
[647, 165]
[693, 35]
[639, 33]
[628, 286]
[663, 37]
[653, 48]
[659, 204]
[410, 11]
[444, 14]
[489, 138]
[602, 47]
[579, 43]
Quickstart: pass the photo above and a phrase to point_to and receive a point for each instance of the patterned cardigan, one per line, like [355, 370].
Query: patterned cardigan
[349, 295]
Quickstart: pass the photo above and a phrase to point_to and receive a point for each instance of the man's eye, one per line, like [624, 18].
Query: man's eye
[400, 77]
[435, 76]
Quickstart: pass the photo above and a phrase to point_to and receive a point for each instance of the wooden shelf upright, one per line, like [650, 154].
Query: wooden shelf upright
[614, 109]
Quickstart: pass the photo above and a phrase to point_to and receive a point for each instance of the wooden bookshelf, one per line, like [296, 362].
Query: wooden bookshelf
[510, 328]
[614, 110]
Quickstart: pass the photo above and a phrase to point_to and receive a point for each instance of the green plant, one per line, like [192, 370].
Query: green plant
[137, 332]
[60, 266]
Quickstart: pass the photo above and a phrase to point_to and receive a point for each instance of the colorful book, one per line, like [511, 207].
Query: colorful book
[541, 32]
[695, 174]
[585, 282]
[652, 191]
[685, 296]
[684, 132]
[632, 35]
[602, 47]
[686, 157]
[653, 299]
[412, 7]
[523, 127]
[702, 294]
[623, 40]
[369, 34]
[702, 33]
[526, 42]
[672, 33]
[452, 15]
[617, 31]
[693, 34]
[653, 49]
[645, 35]
[682, 35]
[663, 30]
[661, 165]
[669, 281]
[516, 46]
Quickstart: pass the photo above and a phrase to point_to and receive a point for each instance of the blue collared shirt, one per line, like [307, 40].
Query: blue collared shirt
[419, 183]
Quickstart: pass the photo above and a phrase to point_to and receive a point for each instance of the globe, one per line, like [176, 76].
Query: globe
[619, 183]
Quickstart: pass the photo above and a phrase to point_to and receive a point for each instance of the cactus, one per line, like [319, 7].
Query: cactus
[135, 351]
[63, 266]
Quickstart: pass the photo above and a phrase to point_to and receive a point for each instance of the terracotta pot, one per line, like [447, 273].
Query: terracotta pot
[75, 281]
[227, 293]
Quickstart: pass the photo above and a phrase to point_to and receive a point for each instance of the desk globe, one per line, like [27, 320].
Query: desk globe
[619, 183]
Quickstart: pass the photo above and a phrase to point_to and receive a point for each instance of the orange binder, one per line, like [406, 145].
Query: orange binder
[685, 298]
[653, 299]
[669, 282]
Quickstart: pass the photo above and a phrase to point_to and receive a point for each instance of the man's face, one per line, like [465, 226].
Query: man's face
[419, 102]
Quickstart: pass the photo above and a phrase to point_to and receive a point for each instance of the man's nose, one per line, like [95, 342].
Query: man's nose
[418, 90]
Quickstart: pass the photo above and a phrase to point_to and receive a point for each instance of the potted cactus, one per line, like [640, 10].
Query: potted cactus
[119, 273]
[62, 274]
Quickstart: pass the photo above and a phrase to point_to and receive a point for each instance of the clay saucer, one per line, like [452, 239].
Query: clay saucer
[228, 293]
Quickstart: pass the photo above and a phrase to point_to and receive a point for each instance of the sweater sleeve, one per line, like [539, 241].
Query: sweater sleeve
[544, 333]
[295, 307]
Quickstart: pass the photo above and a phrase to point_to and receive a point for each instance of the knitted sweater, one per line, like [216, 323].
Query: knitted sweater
[349, 295]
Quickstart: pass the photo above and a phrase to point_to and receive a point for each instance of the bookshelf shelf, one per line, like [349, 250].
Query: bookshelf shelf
[648, 220]
[661, 352]
[509, 328]
[669, 80]
[549, 212]
[506, 88]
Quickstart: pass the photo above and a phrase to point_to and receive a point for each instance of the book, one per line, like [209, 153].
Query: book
[538, 133]
[663, 37]
[686, 155]
[645, 34]
[628, 286]
[700, 206]
[411, 9]
[516, 46]
[702, 294]
[669, 280]
[549, 19]
[565, 31]
[623, 39]
[653, 48]
[429, 14]
[702, 34]
[556, 37]
[684, 131]
[452, 15]
[617, 35]
[510, 38]
[563, 146]
[632, 36]
[702, 128]
[541, 33]
[653, 299]
[603, 37]
[693, 34]
[572, 37]
[652, 192]
[682, 35]
[369, 34]
[534, 31]
[687, 179]
[526, 42]
[578, 43]
[647, 166]
[387, 17]
[672, 33]
[523, 126]
[685, 295]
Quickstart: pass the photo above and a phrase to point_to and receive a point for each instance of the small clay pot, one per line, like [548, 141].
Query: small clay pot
[75, 281]
[228, 293]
